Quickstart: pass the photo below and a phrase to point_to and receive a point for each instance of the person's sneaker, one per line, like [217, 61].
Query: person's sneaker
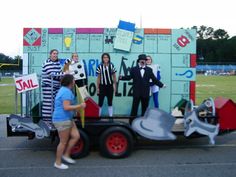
[68, 160]
[62, 166]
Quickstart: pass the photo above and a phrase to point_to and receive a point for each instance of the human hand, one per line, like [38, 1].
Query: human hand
[82, 105]
[164, 86]
[67, 72]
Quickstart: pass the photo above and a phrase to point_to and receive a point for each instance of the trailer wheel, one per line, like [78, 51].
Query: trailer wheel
[116, 142]
[81, 148]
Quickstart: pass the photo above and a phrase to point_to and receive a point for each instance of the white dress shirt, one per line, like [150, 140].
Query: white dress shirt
[142, 70]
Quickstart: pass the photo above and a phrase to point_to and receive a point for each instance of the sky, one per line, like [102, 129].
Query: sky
[16, 15]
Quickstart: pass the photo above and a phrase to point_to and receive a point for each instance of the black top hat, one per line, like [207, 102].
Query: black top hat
[142, 57]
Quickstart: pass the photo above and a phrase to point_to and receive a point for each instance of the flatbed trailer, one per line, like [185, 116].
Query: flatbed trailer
[114, 137]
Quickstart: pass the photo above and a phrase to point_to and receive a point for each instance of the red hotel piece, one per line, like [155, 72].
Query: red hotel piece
[226, 113]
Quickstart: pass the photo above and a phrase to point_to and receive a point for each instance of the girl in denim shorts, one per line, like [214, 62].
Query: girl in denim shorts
[62, 119]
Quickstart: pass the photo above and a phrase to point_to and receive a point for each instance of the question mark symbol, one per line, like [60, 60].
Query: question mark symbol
[187, 74]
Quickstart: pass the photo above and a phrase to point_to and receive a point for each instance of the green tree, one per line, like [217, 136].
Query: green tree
[204, 32]
[215, 46]
[220, 34]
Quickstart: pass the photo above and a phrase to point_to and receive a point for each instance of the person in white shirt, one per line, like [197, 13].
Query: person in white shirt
[76, 67]
[156, 72]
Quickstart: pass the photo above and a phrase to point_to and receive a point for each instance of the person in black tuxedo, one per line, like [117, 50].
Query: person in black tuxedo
[141, 75]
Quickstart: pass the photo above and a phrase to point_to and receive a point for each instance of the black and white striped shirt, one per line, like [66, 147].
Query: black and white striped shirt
[49, 71]
[68, 60]
[106, 73]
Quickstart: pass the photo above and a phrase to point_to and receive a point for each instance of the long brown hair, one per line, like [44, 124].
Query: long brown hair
[106, 54]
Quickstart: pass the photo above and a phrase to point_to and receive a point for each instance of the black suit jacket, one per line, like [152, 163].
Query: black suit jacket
[141, 85]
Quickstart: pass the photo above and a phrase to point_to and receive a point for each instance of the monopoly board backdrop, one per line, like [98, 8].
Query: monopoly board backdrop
[174, 50]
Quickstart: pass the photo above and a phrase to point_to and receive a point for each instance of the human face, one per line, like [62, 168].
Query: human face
[142, 62]
[54, 55]
[75, 57]
[149, 61]
[105, 59]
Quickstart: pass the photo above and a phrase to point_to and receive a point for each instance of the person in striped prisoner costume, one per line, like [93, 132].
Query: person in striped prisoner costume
[50, 83]
[106, 82]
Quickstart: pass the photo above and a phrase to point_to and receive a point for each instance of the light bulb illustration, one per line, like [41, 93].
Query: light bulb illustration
[68, 41]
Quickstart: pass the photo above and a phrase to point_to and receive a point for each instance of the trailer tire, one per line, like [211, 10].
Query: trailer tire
[116, 142]
[81, 148]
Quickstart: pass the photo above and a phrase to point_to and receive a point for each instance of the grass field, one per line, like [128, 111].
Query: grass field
[206, 86]
[215, 86]
[7, 97]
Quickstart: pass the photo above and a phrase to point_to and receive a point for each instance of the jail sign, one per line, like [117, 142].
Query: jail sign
[26, 83]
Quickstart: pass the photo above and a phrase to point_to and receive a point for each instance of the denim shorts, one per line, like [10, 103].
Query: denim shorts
[60, 126]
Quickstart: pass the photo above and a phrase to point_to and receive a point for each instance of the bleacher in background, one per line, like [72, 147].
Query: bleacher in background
[216, 67]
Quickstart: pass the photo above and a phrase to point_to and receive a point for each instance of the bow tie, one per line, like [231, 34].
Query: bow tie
[141, 68]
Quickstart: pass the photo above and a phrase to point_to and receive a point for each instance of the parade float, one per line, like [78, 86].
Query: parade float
[174, 50]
